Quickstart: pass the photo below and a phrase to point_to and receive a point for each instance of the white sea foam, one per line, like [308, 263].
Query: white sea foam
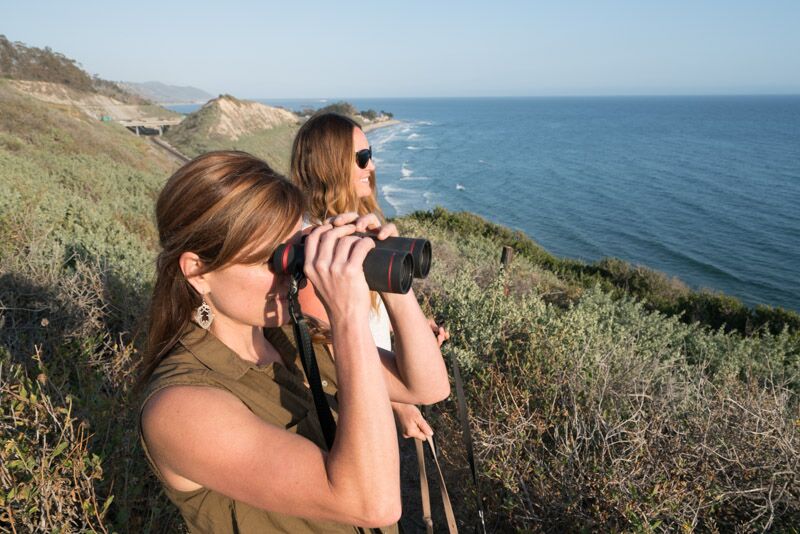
[405, 171]
[403, 199]
[425, 123]
[460, 187]
[384, 137]
[413, 136]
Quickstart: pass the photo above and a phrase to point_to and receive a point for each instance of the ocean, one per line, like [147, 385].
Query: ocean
[706, 189]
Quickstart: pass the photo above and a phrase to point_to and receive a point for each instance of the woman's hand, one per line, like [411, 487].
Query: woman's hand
[440, 332]
[334, 260]
[411, 422]
[365, 223]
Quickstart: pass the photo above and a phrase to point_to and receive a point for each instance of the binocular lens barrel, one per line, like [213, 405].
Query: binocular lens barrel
[386, 270]
[420, 250]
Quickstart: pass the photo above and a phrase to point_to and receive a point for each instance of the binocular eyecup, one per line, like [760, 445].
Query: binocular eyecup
[388, 268]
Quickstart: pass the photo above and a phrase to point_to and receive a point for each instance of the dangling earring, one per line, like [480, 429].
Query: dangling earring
[203, 315]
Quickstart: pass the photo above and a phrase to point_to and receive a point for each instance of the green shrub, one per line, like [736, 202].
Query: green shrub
[76, 252]
[607, 417]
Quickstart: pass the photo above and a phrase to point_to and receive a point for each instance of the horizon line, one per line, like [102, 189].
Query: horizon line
[616, 95]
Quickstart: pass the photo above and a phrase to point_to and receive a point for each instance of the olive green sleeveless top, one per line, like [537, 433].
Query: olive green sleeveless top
[276, 393]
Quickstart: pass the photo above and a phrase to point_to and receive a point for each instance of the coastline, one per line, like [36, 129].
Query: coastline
[382, 124]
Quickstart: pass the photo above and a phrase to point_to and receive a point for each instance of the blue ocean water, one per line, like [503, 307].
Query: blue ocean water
[703, 188]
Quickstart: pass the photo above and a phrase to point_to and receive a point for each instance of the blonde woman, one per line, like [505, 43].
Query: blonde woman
[332, 164]
[227, 422]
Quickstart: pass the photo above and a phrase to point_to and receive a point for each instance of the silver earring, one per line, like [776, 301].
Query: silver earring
[203, 315]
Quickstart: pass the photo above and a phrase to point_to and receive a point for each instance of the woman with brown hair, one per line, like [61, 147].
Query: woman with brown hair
[227, 421]
[332, 164]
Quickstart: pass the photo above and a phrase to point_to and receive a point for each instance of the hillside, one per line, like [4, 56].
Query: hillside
[229, 123]
[21, 62]
[162, 93]
[602, 397]
[95, 105]
[77, 244]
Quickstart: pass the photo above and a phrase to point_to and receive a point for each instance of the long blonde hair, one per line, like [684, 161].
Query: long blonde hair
[321, 164]
[227, 207]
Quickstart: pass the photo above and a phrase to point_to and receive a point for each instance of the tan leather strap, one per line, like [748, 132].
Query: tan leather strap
[423, 487]
[423, 480]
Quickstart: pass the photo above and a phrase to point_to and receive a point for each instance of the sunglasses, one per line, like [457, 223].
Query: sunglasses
[363, 156]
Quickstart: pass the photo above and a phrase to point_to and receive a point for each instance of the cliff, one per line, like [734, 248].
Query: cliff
[226, 123]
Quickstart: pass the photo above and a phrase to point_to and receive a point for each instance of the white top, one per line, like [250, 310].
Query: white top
[380, 326]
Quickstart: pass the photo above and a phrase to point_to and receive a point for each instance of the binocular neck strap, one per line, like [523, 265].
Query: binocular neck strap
[310, 367]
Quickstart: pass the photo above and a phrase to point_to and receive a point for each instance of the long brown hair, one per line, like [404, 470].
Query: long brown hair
[227, 207]
[321, 164]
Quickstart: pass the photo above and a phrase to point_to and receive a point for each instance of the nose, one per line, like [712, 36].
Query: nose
[371, 164]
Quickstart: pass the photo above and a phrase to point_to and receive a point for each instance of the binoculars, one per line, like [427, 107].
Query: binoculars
[389, 268]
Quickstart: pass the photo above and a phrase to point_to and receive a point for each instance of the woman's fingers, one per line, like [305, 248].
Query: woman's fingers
[388, 230]
[368, 222]
[419, 429]
[364, 223]
[440, 332]
[320, 246]
[442, 335]
[343, 218]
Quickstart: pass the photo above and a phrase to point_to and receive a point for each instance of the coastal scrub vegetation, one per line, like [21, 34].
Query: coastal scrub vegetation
[598, 402]
[658, 292]
[591, 411]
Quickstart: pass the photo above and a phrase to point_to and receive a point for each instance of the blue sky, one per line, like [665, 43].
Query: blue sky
[296, 49]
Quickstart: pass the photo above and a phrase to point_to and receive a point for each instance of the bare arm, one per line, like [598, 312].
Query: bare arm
[204, 436]
[415, 373]
[417, 362]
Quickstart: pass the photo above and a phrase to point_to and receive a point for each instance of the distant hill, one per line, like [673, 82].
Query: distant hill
[229, 123]
[21, 62]
[162, 93]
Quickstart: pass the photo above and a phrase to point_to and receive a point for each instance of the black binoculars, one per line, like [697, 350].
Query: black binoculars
[388, 268]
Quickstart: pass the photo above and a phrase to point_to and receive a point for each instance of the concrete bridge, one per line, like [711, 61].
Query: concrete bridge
[149, 126]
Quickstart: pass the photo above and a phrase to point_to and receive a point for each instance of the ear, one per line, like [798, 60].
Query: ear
[191, 266]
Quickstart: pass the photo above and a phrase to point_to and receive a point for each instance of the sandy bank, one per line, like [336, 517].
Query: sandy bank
[381, 124]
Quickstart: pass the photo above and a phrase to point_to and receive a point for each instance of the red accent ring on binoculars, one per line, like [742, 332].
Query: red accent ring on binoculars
[285, 259]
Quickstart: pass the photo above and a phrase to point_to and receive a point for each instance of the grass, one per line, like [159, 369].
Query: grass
[603, 397]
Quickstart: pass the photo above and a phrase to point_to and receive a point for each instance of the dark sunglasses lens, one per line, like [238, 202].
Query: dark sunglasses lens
[363, 157]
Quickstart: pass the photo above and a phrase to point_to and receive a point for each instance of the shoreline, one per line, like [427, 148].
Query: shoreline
[382, 124]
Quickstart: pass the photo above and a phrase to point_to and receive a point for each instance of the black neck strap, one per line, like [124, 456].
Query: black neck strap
[310, 367]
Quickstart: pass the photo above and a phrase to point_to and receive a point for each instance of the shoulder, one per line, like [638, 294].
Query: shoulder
[173, 404]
